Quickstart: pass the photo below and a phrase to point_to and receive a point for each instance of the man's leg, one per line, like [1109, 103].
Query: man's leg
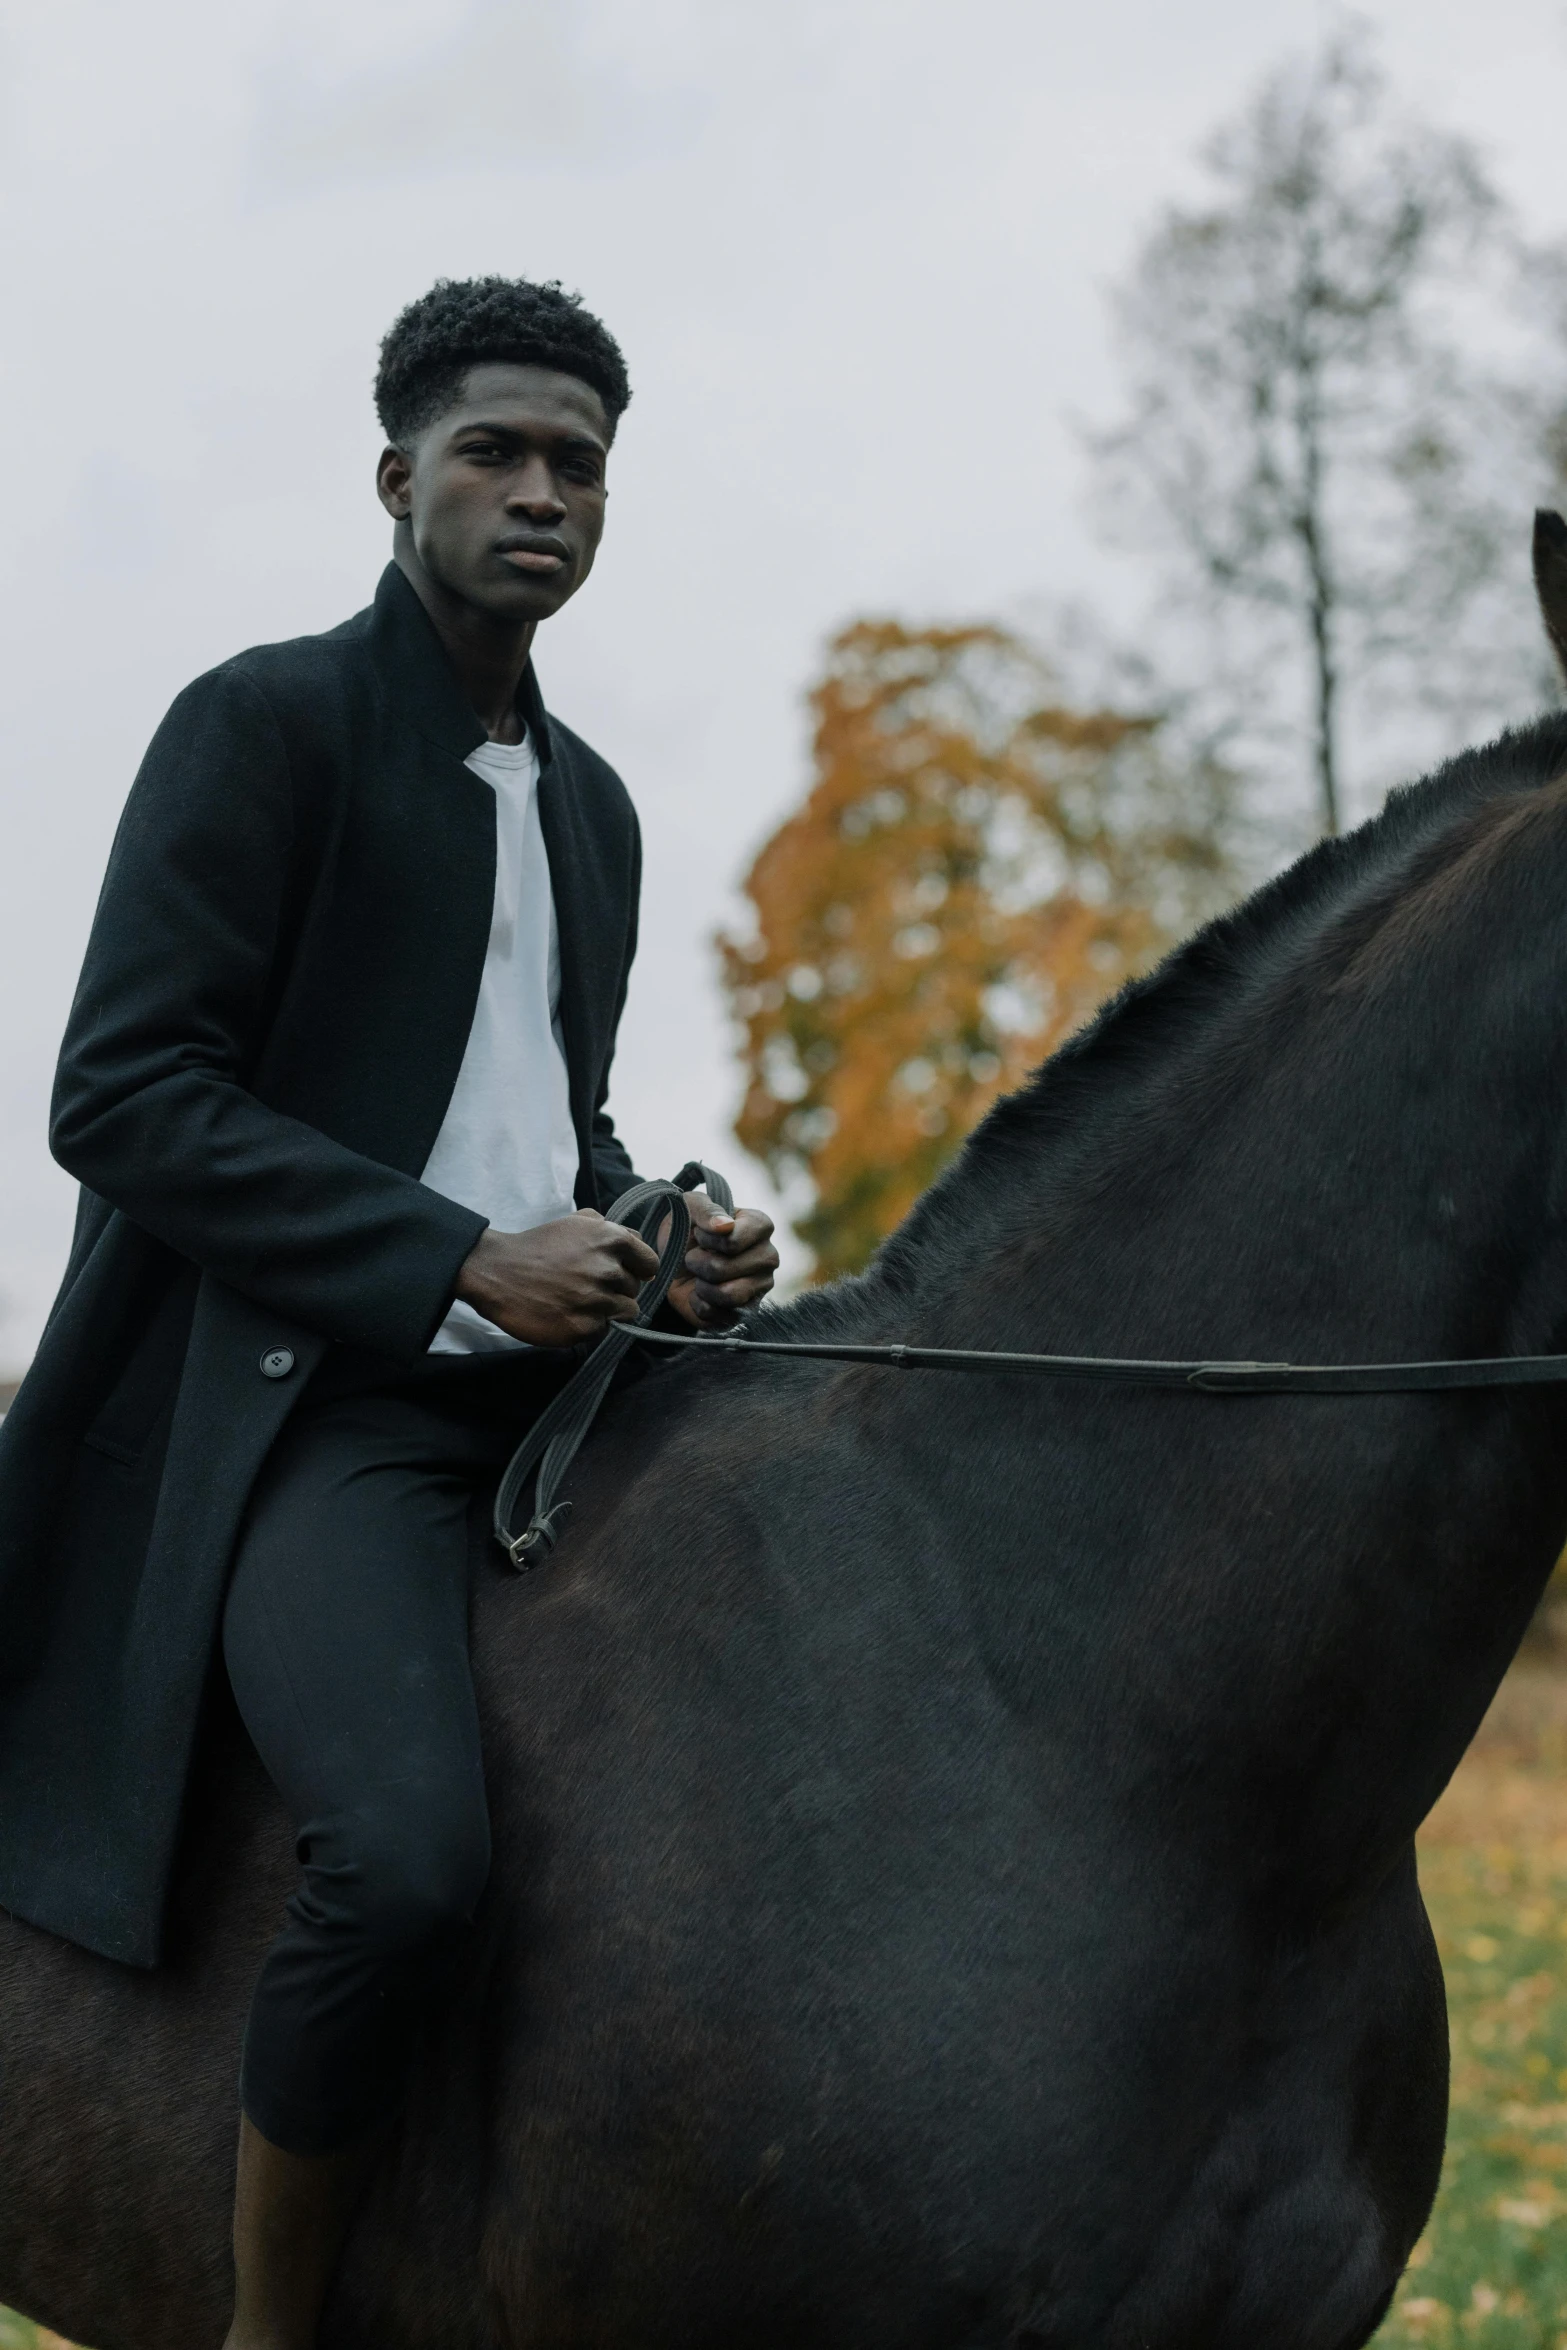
[346, 1639]
[291, 2213]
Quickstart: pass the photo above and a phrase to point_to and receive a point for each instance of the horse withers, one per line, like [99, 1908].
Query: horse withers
[953, 1875]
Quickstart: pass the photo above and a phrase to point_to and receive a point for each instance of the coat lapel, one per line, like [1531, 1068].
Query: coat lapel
[418, 679]
[422, 688]
[560, 819]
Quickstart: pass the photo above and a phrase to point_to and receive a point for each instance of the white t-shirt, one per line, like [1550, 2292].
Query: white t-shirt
[507, 1146]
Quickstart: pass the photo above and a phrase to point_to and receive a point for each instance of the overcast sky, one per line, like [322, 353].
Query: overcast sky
[855, 251]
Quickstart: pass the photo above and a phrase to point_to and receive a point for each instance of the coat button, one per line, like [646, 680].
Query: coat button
[277, 1362]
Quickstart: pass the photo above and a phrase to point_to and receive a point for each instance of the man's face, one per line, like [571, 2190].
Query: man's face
[504, 492]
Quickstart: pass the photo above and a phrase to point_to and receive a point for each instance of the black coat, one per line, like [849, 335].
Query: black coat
[273, 1010]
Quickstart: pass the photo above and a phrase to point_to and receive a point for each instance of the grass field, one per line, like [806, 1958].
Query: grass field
[17, 2334]
[1491, 2270]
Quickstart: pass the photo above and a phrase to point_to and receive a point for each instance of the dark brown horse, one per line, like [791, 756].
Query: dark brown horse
[953, 1878]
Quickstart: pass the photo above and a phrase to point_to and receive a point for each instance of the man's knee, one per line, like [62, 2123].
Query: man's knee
[404, 1882]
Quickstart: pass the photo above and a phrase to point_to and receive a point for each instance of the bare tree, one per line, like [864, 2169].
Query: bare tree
[1335, 489]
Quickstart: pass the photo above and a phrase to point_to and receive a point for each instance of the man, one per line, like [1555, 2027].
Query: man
[334, 1085]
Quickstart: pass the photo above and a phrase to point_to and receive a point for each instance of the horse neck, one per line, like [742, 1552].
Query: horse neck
[1303, 1604]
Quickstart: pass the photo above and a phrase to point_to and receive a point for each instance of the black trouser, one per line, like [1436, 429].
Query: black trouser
[346, 1639]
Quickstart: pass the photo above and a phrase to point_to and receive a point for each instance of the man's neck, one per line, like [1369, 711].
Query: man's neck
[488, 656]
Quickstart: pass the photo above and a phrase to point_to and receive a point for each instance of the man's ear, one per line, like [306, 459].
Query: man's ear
[393, 477]
[1550, 579]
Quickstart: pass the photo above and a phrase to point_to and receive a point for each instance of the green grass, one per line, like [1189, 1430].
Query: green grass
[1491, 2268]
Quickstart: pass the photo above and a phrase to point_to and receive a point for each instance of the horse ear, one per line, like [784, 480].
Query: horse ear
[1550, 578]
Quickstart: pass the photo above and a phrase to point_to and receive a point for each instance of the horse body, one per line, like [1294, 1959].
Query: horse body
[946, 2033]
[953, 1878]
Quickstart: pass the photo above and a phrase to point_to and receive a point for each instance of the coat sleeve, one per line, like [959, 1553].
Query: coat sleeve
[613, 1172]
[152, 1107]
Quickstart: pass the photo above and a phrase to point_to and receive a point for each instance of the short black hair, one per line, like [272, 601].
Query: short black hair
[463, 322]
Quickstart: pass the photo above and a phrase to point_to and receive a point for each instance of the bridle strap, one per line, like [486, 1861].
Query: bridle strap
[554, 1440]
[1209, 1378]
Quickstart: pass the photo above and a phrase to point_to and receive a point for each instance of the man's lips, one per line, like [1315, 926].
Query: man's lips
[534, 554]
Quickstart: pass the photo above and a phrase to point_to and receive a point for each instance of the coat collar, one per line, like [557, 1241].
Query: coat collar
[422, 687]
[420, 679]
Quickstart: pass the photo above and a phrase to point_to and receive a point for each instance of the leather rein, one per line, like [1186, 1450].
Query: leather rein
[552, 1443]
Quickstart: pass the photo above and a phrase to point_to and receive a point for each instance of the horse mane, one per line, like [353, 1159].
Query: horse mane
[1343, 889]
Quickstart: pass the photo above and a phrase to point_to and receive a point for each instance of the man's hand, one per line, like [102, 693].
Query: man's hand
[559, 1283]
[729, 1264]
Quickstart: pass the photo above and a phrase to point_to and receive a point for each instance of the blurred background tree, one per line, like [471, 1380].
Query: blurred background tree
[1331, 441]
[976, 866]
[1341, 375]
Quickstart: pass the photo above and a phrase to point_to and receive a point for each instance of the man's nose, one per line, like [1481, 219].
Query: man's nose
[533, 492]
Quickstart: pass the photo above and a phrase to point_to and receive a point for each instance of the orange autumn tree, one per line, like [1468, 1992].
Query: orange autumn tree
[975, 868]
